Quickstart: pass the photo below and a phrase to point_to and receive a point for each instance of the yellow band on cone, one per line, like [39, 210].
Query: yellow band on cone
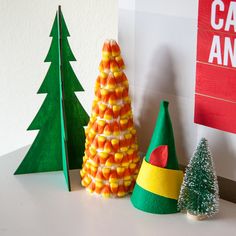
[161, 181]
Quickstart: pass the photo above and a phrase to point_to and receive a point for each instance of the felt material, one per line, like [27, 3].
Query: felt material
[161, 181]
[159, 156]
[157, 188]
[163, 135]
[152, 203]
[60, 120]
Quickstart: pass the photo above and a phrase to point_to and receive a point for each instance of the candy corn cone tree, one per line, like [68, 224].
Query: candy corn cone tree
[111, 161]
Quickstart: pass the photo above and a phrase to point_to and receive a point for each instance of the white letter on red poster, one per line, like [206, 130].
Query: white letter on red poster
[215, 25]
[215, 50]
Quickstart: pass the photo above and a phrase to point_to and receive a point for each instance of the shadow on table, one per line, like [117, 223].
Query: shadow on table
[75, 180]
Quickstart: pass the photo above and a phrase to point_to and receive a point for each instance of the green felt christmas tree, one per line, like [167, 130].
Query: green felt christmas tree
[61, 118]
[159, 179]
[199, 192]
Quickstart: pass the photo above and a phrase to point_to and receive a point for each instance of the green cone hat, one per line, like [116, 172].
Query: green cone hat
[159, 180]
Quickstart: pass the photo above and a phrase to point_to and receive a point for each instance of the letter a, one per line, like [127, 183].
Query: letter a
[215, 50]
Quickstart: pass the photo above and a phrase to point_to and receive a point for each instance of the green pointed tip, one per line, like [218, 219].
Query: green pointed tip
[163, 135]
[65, 31]
[54, 29]
[203, 140]
[202, 143]
[164, 104]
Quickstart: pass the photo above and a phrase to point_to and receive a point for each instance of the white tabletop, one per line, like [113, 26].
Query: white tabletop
[39, 204]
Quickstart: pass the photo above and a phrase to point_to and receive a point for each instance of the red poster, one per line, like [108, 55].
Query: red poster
[215, 99]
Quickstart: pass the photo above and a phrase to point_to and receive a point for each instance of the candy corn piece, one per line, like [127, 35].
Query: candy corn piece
[124, 80]
[106, 172]
[113, 177]
[125, 95]
[116, 129]
[114, 67]
[107, 130]
[121, 191]
[125, 161]
[98, 186]
[120, 62]
[103, 78]
[100, 67]
[101, 141]
[95, 161]
[97, 84]
[107, 49]
[127, 175]
[86, 181]
[102, 108]
[112, 101]
[130, 126]
[120, 171]
[93, 170]
[116, 110]
[118, 157]
[114, 187]
[108, 115]
[95, 143]
[119, 92]
[123, 124]
[111, 82]
[104, 94]
[115, 49]
[128, 138]
[106, 64]
[115, 144]
[106, 192]
[101, 124]
[82, 173]
[118, 76]
[110, 161]
[132, 167]
[108, 146]
[95, 111]
[130, 153]
[99, 176]
[91, 187]
[103, 157]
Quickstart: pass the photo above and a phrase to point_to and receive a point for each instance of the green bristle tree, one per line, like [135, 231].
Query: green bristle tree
[199, 193]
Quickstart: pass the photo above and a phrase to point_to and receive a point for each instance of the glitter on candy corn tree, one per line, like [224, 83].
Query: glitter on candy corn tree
[111, 161]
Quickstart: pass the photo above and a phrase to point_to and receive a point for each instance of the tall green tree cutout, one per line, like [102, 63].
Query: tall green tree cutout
[60, 142]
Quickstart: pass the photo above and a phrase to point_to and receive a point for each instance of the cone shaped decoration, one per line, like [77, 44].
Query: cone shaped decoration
[111, 162]
[159, 180]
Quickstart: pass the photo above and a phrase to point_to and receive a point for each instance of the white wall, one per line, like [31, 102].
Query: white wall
[24, 42]
[158, 39]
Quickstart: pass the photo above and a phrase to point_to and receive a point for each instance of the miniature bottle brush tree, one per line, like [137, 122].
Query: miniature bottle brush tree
[111, 161]
[60, 120]
[199, 193]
